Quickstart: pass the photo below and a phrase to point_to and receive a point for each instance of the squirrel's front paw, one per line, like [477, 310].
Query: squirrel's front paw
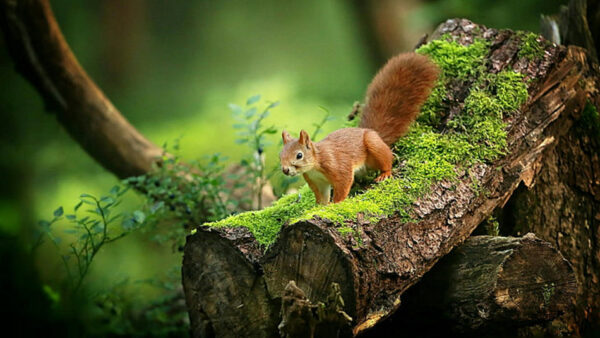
[383, 176]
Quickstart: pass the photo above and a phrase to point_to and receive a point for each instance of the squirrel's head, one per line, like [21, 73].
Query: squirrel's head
[297, 155]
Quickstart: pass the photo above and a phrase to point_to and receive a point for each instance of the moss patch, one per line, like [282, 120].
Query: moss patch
[426, 154]
[457, 61]
[265, 224]
[531, 46]
[590, 121]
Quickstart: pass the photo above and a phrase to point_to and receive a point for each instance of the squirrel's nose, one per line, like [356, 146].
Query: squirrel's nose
[286, 170]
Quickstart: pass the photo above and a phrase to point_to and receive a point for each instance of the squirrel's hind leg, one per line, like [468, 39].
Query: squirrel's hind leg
[379, 155]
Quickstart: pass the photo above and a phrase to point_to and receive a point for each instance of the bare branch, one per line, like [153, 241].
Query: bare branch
[44, 58]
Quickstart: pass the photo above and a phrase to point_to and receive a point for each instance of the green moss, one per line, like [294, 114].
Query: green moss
[425, 155]
[458, 61]
[265, 224]
[510, 89]
[531, 48]
[430, 111]
[590, 121]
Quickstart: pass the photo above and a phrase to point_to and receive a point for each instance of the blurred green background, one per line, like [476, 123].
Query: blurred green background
[172, 68]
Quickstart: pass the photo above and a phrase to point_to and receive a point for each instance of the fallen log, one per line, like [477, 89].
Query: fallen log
[381, 241]
[488, 284]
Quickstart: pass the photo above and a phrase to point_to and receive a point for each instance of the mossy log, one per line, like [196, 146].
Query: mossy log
[374, 256]
[488, 284]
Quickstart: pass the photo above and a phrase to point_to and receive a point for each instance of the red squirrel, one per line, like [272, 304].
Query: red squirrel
[393, 101]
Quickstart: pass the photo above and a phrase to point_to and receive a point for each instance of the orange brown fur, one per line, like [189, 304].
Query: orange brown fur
[396, 95]
[393, 101]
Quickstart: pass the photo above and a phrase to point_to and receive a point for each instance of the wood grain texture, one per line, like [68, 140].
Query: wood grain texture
[487, 285]
[225, 294]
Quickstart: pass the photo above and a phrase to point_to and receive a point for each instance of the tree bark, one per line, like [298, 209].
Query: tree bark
[44, 58]
[374, 266]
[488, 284]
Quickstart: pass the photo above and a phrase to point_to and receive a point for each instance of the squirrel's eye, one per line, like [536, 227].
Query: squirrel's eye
[299, 156]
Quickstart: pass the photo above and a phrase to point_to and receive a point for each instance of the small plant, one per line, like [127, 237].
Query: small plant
[492, 226]
[253, 133]
[319, 126]
[91, 232]
[547, 293]
[185, 193]
[124, 312]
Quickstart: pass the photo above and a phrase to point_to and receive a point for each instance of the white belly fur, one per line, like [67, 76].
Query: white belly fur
[322, 184]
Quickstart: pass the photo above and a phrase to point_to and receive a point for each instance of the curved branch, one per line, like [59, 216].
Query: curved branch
[44, 58]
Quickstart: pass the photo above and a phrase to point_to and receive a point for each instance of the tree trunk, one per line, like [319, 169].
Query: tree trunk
[379, 261]
[43, 57]
[488, 284]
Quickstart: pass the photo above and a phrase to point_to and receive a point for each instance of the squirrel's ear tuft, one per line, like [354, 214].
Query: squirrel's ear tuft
[304, 138]
[286, 137]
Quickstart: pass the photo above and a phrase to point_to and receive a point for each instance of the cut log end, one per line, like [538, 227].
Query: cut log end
[499, 283]
[225, 293]
[307, 253]
[301, 318]
[535, 283]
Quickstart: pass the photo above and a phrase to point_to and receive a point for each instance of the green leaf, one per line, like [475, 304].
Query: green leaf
[273, 104]
[70, 231]
[241, 141]
[324, 109]
[58, 212]
[114, 190]
[156, 206]
[139, 216]
[252, 99]
[44, 224]
[107, 199]
[271, 130]
[250, 112]
[128, 223]
[86, 196]
[235, 108]
[123, 191]
[78, 205]
[70, 217]
[97, 228]
[54, 296]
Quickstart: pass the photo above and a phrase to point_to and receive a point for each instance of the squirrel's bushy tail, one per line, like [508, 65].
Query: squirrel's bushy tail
[396, 94]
